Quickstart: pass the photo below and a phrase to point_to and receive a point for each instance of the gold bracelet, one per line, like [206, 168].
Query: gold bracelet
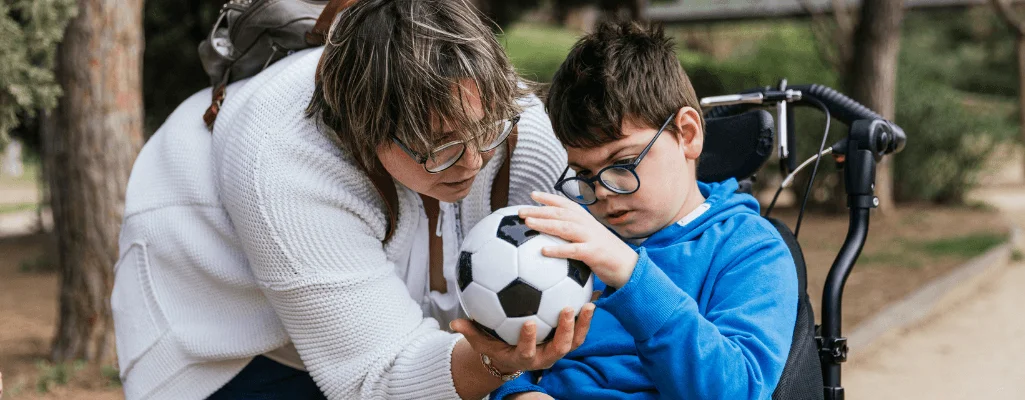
[494, 371]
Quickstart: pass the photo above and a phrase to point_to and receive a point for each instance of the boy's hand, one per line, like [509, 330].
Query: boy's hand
[589, 241]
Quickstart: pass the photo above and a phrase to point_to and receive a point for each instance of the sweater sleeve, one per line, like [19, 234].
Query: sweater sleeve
[312, 234]
[737, 349]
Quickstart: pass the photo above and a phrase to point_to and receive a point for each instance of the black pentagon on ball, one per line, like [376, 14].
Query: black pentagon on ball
[519, 299]
[514, 230]
[579, 272]
[465, 270]
[489, 331]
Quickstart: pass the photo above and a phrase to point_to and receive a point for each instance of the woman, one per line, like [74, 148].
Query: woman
[266, 263]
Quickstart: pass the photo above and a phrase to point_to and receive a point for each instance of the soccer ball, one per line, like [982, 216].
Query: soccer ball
[504, 281]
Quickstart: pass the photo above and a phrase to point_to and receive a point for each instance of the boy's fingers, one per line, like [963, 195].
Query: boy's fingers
[547, 212]
[568, 250]
[549, 199]
[583, 324]
[554, 227]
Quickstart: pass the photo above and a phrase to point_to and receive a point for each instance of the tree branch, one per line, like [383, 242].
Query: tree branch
[1012, 19]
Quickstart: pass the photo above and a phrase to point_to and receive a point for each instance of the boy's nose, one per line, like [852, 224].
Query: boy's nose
[601, 192]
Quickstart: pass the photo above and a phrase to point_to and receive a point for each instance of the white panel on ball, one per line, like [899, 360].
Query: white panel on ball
[481, 233]
[511, 210]
[482, 305]
[509, 331]
[566, 293]
[494, 265]
[540, 271]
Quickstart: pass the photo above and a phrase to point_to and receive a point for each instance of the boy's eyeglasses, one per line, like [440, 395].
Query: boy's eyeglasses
[621, 178]
[448, 154]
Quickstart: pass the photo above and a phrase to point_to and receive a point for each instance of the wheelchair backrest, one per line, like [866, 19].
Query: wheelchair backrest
[735, 146]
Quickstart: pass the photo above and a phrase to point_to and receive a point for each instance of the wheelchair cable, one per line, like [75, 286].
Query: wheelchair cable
[815, 169]
[789, 179]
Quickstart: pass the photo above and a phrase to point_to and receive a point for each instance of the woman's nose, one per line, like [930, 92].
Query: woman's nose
[472, 159]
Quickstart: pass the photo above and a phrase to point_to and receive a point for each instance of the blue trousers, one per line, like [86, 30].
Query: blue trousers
[266, 379]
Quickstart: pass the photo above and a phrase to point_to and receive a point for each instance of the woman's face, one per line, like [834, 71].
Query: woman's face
[452, 184]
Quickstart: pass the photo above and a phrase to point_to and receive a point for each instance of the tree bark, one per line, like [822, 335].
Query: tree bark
[872, 78]
[90, 149]
[1021, 86]
[1017, 24]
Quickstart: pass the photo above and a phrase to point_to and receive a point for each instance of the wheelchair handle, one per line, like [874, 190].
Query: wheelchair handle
[891, 137]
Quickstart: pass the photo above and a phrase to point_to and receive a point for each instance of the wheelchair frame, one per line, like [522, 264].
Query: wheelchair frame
[869, 138]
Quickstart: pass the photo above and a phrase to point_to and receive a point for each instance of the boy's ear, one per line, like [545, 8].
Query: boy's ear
[691, 136]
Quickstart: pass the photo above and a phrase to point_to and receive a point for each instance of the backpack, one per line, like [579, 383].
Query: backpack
[250, 35]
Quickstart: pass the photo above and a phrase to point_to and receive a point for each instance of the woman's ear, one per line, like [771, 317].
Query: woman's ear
[691, 135]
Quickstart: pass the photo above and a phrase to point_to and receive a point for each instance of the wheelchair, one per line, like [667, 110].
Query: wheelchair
[740, 136]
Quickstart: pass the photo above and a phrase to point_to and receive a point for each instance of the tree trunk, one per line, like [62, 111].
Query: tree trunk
[1021, 87]
[873, 74]
[91, 148]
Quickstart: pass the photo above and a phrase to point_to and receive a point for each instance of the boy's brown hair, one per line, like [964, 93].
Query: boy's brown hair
[621, 71]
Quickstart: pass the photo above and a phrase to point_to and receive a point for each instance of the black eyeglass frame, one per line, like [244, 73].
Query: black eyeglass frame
[631, 167]
[422, 159]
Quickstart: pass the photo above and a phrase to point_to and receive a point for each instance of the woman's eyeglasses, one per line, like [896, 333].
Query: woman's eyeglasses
[448, 154]
[619, 178]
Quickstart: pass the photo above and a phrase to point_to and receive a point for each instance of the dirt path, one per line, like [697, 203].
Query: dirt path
[970, 349]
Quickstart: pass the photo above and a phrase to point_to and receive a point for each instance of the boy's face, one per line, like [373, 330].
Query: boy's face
[668, 187]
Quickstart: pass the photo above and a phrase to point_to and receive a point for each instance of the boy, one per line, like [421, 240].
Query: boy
[700, 292]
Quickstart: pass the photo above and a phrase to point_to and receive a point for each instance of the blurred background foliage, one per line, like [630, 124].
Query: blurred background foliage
[29, 33]
[957, 77]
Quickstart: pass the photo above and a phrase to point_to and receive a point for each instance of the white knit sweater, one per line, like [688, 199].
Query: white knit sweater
[267, 233]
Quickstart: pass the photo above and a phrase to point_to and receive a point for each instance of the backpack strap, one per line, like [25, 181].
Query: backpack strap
[386, 187]
[500, 187]
[318, 35]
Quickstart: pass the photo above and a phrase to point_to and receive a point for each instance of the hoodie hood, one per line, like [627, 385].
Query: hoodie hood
[722, 201]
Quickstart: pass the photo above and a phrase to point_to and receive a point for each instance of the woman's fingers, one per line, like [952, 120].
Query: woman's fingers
[526, 348]
[480, 341]
[583, 324]
[562, 343]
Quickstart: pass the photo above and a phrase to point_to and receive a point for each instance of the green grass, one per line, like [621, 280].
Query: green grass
[51, 375]
[111, 375]
[1016, 255]
[910, 254]
[18, 207]
[966, 247]
[43, 263]
[26, 179]
[902, 259]
[537, 50]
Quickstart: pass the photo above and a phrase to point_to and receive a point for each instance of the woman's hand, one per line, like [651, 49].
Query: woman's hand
[527, 355]
[530, 396]
[589, 241]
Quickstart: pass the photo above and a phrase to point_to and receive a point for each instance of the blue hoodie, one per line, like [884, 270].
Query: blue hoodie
[708, 313]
